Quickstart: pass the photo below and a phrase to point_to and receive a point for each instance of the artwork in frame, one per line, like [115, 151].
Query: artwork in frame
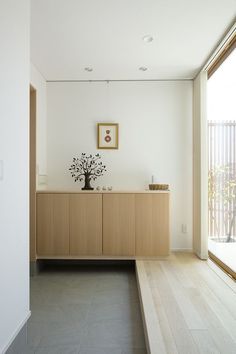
[108, 135]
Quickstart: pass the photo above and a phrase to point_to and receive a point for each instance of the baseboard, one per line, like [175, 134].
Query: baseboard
[201, 256]
[187, 250]
[35, 268]
[16, 333]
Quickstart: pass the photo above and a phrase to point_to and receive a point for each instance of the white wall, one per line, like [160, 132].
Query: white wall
[39, 84]
[14, 152]
[155, 120]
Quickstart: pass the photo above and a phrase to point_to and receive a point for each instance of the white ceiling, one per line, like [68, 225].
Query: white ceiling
[69, 35]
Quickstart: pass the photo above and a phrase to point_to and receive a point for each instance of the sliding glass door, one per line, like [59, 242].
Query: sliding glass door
[221, 112]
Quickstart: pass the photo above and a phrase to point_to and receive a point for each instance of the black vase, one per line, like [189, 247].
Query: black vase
[87, 185]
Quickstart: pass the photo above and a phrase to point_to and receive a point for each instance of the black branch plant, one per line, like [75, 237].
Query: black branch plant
[87, 167]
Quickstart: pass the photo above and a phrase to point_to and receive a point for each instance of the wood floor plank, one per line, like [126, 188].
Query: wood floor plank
[154, 335]
[223, 341]
[216, 330]
[204, 342]
[221, 290]
[163, 320]
[219, 319]
[192, 318]
[195, 308]
[218, 305]
[168, 337]
[182, 335]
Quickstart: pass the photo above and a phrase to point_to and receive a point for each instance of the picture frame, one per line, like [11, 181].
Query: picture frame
[107, 135]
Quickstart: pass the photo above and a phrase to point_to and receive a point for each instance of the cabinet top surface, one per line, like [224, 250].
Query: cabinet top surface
[76, 191]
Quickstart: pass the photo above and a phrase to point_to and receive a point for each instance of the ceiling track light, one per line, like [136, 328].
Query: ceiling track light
[89, 69]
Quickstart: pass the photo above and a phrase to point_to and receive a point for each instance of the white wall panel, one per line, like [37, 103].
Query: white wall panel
[155, 121]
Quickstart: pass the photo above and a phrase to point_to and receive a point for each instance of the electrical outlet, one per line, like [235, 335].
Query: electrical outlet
[184, 228]
[42, 179]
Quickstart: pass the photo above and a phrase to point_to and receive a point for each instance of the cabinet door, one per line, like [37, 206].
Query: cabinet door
[118, 224]
[152, 224]
[52, 224]
[86, 224]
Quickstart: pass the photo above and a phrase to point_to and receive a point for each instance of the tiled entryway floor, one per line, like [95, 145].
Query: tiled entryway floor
[85, 310]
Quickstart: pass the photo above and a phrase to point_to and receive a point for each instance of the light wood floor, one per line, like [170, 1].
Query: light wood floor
[188, 307]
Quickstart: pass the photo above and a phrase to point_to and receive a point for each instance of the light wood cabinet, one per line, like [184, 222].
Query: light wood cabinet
[119, 224]
[52, 224]
[85, 224]
[152, 224]
[102, 225]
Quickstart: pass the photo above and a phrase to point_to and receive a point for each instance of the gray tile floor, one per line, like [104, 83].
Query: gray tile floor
[85, 310]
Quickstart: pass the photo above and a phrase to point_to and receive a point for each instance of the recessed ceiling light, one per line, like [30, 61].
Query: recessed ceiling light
[143, 68]
[148, 38]
[89, 69]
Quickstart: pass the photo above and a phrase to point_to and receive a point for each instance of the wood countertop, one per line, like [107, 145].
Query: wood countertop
[79, 191]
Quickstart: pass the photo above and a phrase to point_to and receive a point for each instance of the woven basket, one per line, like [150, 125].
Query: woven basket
[158, 187]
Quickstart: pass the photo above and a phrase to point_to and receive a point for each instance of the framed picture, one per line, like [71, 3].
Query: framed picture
[108, 135]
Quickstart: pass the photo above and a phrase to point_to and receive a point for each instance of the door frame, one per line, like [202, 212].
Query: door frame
[32, 173]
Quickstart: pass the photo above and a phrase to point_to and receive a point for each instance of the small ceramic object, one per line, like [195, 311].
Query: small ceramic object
[104, 188]
[98, 188]
[110, 188]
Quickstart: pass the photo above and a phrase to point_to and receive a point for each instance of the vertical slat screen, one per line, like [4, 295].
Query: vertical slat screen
[222, 158]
